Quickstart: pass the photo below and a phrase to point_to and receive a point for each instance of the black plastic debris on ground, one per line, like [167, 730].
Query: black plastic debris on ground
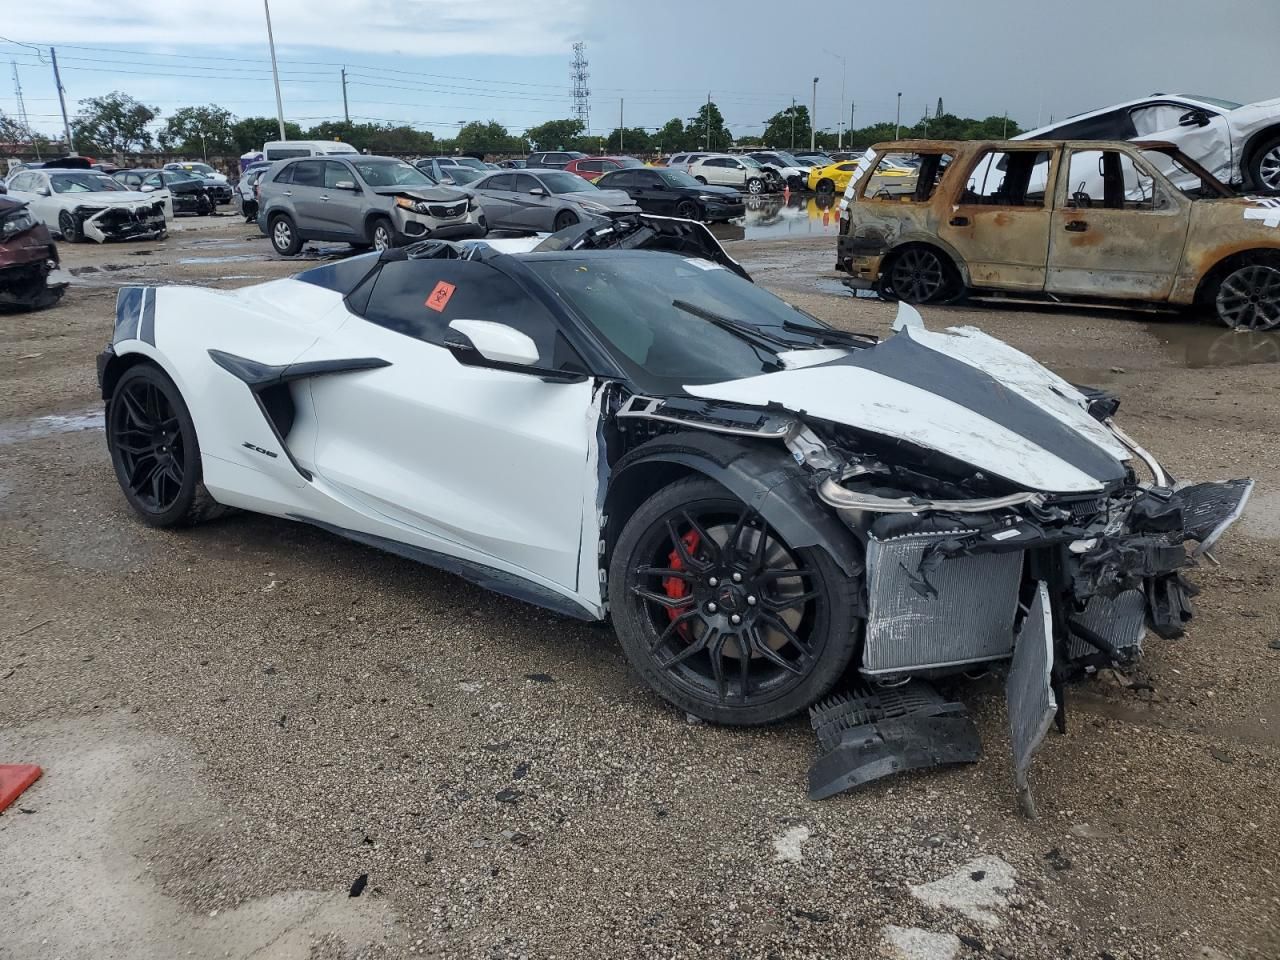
[358, 886]
[867, 733]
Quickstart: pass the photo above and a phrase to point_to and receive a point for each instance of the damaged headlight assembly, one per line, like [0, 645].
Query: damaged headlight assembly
[417, 206]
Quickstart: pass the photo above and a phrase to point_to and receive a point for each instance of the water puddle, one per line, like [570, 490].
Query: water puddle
[775, 217]
[20, 431]
[1207, 346]
[230, 258]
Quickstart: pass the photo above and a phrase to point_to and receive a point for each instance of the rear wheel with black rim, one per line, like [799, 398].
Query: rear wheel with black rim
[564, 219]
[69, 227]
[1248, 295]
[688, 210]
[826, 185]
[920, 274]
[721, 616]
[154, 450]
[284, 236]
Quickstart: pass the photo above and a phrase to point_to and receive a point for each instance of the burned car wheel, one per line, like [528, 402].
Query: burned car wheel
[720, 615]
[68, 227]
[154, 451]
[919, 274]
[1248, 297]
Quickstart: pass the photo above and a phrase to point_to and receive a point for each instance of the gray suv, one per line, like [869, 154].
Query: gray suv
[375, 202]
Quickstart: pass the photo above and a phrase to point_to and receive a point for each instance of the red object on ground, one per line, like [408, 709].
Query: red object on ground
[14, 778]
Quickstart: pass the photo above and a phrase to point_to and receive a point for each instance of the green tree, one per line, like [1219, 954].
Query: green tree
[628, 140]
[478, 138]
[115, 123]
[389, 139]
[14, 138]
[555, 134]
[718, 137]
[252, 132]
[672, 137]
[782, 134]
[199, 130]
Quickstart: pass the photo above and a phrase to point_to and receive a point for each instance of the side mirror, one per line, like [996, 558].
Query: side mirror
[495, 342]
[44, 192]
[345, 185]
[537, 192]
[1195, 118]
[147, 188]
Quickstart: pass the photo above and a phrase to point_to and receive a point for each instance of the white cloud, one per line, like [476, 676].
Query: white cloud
[421, 28]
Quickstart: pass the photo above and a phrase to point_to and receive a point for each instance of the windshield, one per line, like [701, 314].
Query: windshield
[471, 162]
[789, 161]
[1213, 101]
[391, 173]
[678, 178]
[627, 162]
[203, 168]
[751, 162]
[463, 174]
[180, 176]
[646, 304]
[83, 182]
[558, 182]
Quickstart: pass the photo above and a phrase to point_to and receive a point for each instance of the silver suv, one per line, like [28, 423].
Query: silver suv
[375, 202]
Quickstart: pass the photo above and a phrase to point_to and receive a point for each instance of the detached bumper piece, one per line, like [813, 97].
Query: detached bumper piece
[866, 734]
[125, 223]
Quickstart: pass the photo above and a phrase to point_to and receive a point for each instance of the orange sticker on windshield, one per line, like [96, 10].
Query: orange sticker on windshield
[439, 298]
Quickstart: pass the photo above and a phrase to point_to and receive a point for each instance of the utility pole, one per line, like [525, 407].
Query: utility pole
[22, 109]
[897, 123]
[852, 108]
[346, 111]
[813, 117]
[1005, 135]
[62, 99]
[793, 123]
[708, 120]
[275, 71]
[621, 101]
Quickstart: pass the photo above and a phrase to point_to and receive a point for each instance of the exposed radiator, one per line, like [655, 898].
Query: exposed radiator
[1122, 622]
[950, 611]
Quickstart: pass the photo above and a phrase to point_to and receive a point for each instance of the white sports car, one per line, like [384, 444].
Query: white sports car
[615, 422]
[89, 205]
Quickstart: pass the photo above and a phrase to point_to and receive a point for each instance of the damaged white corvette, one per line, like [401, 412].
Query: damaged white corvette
[615, 422]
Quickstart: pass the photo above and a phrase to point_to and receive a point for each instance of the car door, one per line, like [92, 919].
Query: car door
[490, 465]
[531, 211]
[651, 192]
[1118, 228]
[345, 201]
[36, 189]
[1000, 220]
[1201, 133]
[497, 198]
[156, 186]
[304, 190]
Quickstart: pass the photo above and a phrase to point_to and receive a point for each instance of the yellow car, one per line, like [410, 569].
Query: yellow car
[835, 177]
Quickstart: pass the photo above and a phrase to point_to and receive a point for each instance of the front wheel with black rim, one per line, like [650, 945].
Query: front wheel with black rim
[284, 235]
[564, 219]
[1248, 296]
[720, 615]
[826, 185]
[688, 210]
[154, 450]
[69, 227]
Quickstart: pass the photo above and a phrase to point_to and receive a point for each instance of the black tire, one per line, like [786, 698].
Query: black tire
[1246, 295]
[1264, 166]
[284, 235]
[920, 274]
[826, 185]
[155, 452]
[688, 210]
[701, 180]
[382, 235]
[798, 631]
[71, 230]
[755, 186]
[564, 219]
[203, 206]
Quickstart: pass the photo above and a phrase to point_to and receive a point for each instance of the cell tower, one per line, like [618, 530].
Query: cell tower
[22, 109]
[581, 95]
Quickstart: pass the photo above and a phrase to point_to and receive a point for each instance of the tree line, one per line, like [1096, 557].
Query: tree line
[118, 124]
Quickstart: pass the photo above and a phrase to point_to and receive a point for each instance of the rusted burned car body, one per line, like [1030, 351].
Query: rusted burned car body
[1079, 220]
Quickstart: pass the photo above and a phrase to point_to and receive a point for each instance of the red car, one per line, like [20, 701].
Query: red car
[27, 256]
[593, 168]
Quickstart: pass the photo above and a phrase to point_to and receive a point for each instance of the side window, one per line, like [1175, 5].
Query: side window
[1009, 178]
[558, 158]
[526, 183]
[1109, 179]
[1112, 125]
[678, 158]
[617, 181]
[847, 167]
[591, 166]
[475, 291]
[153, 180]
[308, 173]
[285, 175]
[24, 182]
[1156, 118]
[336, 173]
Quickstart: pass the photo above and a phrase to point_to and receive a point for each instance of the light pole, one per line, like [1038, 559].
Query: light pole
[813, 117]
[844, 63]
[897, 123]
[275, 72]
[793, 123]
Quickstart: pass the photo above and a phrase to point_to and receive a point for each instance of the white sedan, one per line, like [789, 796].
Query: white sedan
[1238, 143]
[88, 204]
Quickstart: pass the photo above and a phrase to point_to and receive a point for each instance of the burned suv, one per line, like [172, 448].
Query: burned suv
[1075, 220]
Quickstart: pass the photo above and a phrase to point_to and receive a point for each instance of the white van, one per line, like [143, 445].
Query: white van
[285, 149]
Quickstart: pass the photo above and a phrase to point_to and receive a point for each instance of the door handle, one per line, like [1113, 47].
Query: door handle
[959, 221]
[288, 193]
[1077, 226]
[324, 197]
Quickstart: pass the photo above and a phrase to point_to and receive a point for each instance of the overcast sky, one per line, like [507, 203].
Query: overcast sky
[434, 63]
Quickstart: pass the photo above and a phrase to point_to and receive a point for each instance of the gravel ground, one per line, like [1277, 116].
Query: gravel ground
[507, 786]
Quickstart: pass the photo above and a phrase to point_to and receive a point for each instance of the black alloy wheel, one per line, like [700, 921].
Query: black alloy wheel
[918, 275]
[687, 210]
[154, 450]
[720, 615]
[1248, 298]
[564, 219]
[71, 230]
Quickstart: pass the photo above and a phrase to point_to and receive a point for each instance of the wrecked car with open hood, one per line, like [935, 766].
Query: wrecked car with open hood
[615, 422]
[88, 205]
[1088, 221]
[27, 256]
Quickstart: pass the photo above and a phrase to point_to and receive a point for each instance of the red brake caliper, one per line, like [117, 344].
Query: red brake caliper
[674, 586]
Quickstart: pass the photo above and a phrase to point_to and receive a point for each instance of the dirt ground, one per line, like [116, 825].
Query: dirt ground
[239, 721]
